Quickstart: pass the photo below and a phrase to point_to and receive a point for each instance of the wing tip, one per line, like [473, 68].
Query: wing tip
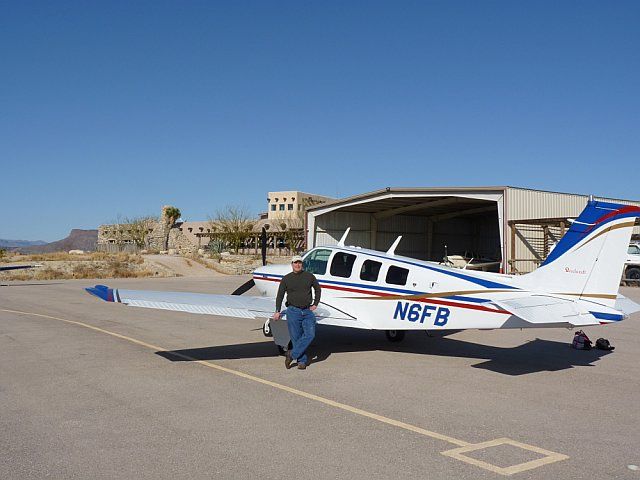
[101, 291]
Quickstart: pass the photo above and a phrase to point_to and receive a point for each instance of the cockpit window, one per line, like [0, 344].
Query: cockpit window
[370, 270]
[342, 264]
[397, 275]
[316, 261]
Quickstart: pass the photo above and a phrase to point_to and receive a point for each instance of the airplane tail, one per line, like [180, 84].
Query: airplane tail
[589, 259]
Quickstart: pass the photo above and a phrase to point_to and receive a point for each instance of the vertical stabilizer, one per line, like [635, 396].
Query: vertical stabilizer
[589, 260]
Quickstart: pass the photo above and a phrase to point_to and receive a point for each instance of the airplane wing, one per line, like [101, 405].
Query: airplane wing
[210, 304]
[544, 309]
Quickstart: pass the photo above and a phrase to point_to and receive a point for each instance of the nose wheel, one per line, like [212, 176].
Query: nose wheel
[266, 329]
[394, 335]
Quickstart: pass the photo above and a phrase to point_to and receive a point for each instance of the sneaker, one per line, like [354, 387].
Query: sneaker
[301, 366]
[287, 359]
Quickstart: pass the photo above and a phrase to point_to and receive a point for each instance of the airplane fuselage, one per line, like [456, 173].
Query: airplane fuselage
[400, 293]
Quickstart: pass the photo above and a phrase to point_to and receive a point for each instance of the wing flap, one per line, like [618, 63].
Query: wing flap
[626, 306]
[543, 309]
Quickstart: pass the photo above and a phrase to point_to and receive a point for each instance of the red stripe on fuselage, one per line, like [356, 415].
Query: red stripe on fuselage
[422, 300]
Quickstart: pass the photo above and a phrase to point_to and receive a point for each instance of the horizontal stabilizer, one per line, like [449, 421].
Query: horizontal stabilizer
[542, 309]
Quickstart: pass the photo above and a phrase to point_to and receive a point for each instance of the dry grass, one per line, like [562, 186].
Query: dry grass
[66, 257]
[93, 265]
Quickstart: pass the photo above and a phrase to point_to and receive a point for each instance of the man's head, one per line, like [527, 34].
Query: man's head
[296, 263]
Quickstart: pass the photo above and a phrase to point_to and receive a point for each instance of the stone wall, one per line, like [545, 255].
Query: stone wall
[179, 242]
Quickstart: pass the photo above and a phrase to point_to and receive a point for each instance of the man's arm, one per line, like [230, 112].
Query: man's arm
[280, 296]
[316, 291]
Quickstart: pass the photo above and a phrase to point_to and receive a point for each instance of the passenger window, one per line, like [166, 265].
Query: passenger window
[370, 270]
[397, 275]
[316, 261]
[342, 264]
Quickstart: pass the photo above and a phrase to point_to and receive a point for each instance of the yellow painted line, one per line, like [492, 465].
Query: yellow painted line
[455, 453]
[549, 456]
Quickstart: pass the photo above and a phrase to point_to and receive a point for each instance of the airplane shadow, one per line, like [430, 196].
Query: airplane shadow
[531, 357]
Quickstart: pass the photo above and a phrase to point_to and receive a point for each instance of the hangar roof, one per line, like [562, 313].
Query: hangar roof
[414, 200]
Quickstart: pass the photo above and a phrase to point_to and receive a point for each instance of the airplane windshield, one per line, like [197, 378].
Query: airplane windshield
[316, 261]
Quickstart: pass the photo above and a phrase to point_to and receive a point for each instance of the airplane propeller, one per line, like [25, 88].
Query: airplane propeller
[245, 287]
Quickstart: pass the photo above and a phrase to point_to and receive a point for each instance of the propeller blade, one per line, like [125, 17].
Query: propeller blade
[245, 287]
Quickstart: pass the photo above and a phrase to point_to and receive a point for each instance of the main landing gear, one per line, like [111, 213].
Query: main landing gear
[394, 335]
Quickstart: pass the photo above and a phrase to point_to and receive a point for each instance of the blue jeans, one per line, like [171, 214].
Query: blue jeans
[302, 330]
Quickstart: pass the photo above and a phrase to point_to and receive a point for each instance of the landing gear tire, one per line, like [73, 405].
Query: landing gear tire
[266, 329]
[282, 350]
[394, 335]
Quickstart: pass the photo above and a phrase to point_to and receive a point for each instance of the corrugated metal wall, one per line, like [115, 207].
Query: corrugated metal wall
[413, 231]
[331, 226]
[525, 204]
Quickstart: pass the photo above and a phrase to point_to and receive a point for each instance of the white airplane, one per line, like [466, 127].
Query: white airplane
[576, 286]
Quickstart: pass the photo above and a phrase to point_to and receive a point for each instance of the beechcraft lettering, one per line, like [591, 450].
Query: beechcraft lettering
[376, 290]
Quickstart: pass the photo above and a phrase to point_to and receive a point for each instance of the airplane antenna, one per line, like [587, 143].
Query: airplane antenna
[392, 248]
[344, 237]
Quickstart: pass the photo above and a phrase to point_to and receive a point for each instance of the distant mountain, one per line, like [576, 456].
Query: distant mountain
[77, 240]
[19, 243]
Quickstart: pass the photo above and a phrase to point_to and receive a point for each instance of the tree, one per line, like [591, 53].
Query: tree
[234, 224]
[169, 216]
[134, 230]
[139, 228]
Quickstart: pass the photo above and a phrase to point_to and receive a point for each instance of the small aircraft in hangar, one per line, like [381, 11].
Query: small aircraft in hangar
[576, 286]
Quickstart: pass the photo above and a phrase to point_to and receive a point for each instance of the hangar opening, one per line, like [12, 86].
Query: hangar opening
[512, 228]
[462, 223]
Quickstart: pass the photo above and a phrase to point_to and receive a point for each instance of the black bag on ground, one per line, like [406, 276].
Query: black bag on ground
[603, 344]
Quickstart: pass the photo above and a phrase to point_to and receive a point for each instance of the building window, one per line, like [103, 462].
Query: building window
[273, 207]
[282, 206]
[290, 206]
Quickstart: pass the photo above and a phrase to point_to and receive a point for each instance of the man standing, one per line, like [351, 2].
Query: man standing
[301, 321]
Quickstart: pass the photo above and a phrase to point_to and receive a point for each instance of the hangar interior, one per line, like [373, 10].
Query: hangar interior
[431, 224]
[514, 226]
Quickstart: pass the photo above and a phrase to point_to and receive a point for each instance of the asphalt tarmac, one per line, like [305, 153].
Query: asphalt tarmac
[90, 389]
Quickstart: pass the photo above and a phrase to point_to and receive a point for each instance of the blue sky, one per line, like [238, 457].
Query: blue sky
[115, 108]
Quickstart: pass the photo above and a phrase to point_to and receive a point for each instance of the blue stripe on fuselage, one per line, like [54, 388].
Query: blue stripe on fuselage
[384, 289]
